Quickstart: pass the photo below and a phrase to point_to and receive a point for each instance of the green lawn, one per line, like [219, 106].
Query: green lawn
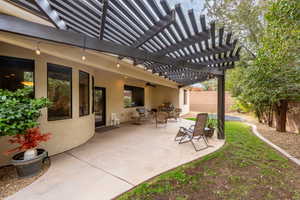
[245, 168]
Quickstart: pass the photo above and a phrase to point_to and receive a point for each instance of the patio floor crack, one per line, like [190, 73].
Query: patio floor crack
[99, 168]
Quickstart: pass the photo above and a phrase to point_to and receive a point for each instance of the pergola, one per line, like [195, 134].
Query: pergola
[176, 45]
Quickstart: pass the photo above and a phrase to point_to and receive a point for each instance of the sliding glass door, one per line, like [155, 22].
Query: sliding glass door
[99, 106]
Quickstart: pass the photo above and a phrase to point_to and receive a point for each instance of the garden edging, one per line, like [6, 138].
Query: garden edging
[286, 154]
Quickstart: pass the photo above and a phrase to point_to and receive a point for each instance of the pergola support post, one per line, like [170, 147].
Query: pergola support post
[221, 106]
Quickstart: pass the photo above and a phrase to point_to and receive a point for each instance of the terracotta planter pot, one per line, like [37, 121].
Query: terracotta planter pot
[28, 168]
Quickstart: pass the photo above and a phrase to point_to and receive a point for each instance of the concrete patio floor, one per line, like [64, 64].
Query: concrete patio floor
[113, 162]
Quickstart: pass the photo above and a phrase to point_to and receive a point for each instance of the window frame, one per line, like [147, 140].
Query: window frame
[89, 93]
[185, 97]
[71, 85]
[28, 60]
[132, 90]
[93, 94]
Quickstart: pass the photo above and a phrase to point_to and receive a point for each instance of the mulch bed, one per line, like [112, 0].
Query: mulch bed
[10, 183]
[288, 141]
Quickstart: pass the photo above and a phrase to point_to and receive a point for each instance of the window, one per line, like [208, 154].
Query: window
[84, 93]
[184, 97]
[133, 96]
[16, 73]
[59, 92]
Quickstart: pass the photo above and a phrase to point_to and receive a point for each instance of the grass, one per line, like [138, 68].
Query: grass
[245, 168]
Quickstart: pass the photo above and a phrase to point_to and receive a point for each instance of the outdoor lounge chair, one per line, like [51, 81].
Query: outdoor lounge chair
[195, 132]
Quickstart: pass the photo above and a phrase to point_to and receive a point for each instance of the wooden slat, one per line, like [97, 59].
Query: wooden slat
[186, 28]
[213, 34]
[19, 26]
[155, 29]
[45, 7]
[67, 9]
[221, 34]
[222, 60]
[103, 18]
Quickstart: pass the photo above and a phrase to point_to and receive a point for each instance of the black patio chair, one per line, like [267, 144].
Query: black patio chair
[195, 132]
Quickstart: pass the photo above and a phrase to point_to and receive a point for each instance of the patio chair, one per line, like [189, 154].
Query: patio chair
[142, 117]
[195, 132]
[161, 118]
[175, 113]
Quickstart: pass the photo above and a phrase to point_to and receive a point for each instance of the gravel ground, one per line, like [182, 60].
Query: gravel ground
[10, 183]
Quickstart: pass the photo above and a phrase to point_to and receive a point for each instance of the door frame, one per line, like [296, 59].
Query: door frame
[104, 112]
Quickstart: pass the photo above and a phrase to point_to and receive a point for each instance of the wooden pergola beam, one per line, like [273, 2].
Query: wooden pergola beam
[222, 60]
[198, 37]
[22, 27]
[53, 16]
[103, 19]
[155, 29]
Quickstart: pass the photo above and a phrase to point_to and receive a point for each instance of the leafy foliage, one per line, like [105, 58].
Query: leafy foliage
[211, 122]
[30, 140]
[275, 75]
[19, 112]
[242, 17]
[270, 32]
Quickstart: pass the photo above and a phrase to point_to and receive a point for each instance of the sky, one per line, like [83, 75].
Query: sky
[197, 5]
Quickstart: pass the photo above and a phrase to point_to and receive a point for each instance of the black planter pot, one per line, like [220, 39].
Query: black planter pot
[28, 168]
[209, 132]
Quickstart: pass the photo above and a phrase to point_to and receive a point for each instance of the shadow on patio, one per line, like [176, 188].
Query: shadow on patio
[115, 161]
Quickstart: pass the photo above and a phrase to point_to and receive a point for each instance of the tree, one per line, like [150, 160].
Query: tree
[270, 77]
[276, 74]
[243, 17]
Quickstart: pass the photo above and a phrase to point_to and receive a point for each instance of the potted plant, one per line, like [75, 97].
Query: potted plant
[19, 114]
[211, 125]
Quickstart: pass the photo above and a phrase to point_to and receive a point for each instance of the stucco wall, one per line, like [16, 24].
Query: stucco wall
[185, 107]
[66, 134]
[207, 101]
[162, 94]
[114, 85]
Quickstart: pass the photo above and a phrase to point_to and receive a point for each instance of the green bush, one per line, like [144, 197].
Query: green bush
[211, 122]
[241, 106]
[19, 111]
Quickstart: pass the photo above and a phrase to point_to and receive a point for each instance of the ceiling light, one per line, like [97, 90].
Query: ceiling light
[37, 50]
[83, 58]
[27, 83]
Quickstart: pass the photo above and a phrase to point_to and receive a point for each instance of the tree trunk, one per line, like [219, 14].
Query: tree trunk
[270, 117]
[280, 115]
[258, 115]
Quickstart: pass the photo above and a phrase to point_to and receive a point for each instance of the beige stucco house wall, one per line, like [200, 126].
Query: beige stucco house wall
[67, 134]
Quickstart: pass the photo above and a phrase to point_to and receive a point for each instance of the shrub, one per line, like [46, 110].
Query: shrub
[19, 112]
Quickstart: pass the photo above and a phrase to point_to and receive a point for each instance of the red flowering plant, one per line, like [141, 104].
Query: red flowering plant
[30, 140]
[19, 113]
